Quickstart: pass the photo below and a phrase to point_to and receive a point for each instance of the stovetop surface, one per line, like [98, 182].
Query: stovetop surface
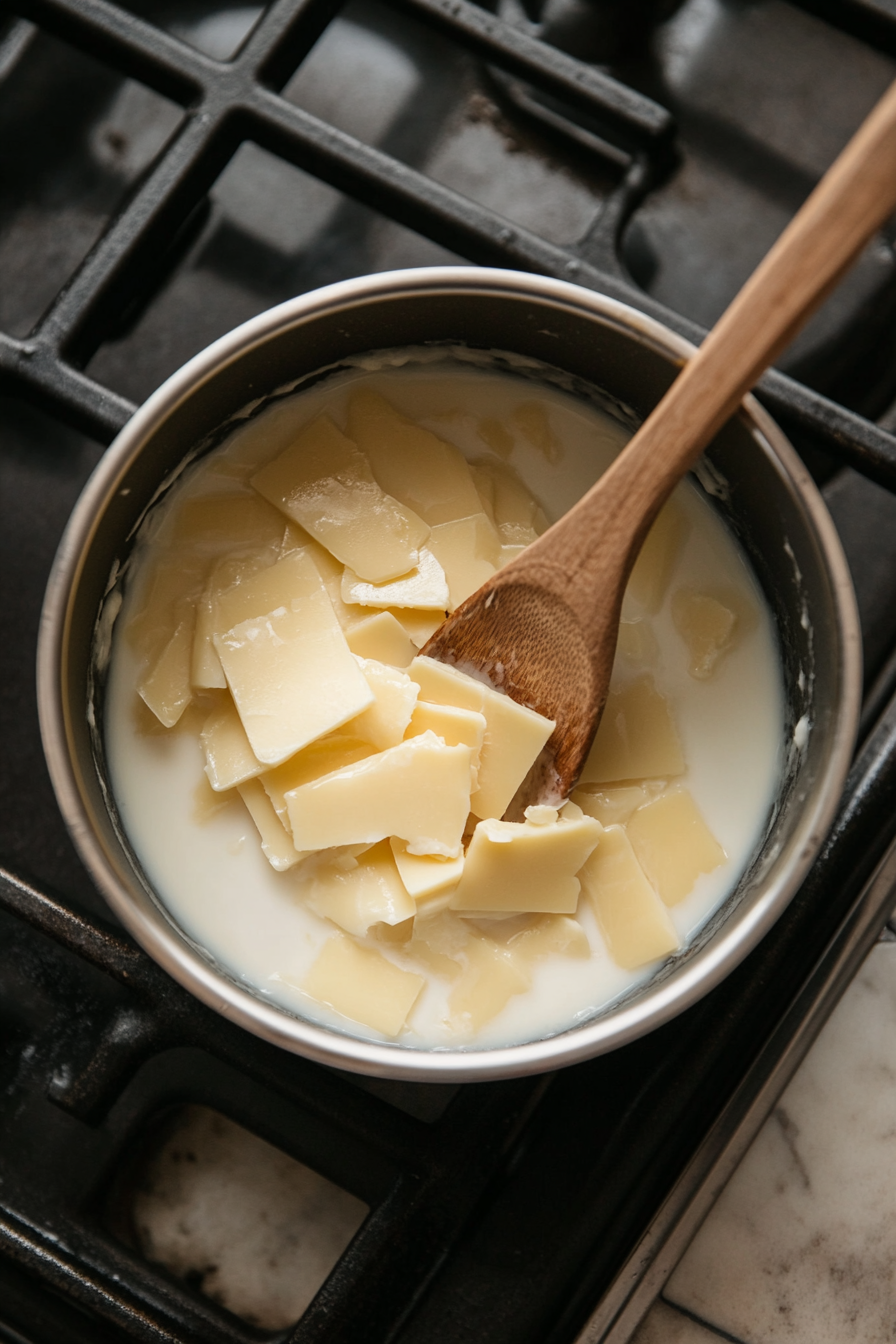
[167, 171]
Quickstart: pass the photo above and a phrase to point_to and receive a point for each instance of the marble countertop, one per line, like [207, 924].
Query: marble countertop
[801, 1246]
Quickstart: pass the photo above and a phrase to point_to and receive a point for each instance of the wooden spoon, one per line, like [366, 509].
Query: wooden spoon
[544, 628]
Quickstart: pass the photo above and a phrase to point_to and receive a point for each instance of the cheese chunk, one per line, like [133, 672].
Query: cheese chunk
[425, 587]
[531, 419]
[382, 637]
[363, 985]
[454, 726]
[637, 738]
[514, 735]
[324, 483]
[316, 760]
[633, 920]
[428, 475]
[290, 671]
[637, 642]
[418, 791]
[673, 844]
[168, 593]
[225, 524]
[707, 627]
[420, 625]
[612, 807]
[229, 759]
[167, 689]
[330, 569]
[525, 867]
[206, 671]
[469, 551]
[490, 979]
[395, 696]
[516, 515]
[546, 935]
[649, 579]
[276, 845]
[425, 875]
[357, 898]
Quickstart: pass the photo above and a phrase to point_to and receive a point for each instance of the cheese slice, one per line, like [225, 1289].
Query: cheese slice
[636, 739]
[225, 524]
[673, 844]
[425, 875]
[454, 726]
[707, 626]
[649, 579]
[363, 985]
[425, 587]
[325, 484]
[418, 791]
[427, 474]
[369, 893]
[612, 807]
[469, 551]
[290, 671]
[229, 759]
[420, 625]
[382, 637]
[490, 979]
[633, 920]
[276, 844]
[166, 689]
[517, 516]
[514, 735]
[319, 758]
[525, 867]
[395, 695]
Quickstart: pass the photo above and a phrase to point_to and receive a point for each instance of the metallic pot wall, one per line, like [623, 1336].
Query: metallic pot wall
[755, 479]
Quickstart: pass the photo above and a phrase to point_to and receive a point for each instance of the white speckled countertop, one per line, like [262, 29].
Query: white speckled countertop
[801, 1246]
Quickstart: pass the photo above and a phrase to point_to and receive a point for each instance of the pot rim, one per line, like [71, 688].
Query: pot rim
[156, 932]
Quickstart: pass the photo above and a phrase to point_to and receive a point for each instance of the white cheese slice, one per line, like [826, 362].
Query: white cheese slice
[418, 791]
[454, 726]
[425, 875]
[490, 978]
[225, 524]
[382, 637]
[469, 551]
[673, 844]
[369, 893]
[649, 578]
[395, 695]
[514, 735]
[635, 924]
[420, 625]
[524, 867]
[707, 625]
[166, 689]
[276, 844]
[324, 483]
[612, 807]
[425, 587]
[363, 985]
[316, 760]
[637, 738]
[229, 759]
[411, 463]
[290, 671]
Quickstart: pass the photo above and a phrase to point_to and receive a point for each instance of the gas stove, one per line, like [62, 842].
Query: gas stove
[167, 171]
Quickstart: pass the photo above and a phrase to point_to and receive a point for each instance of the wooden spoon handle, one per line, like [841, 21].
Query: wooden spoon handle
[853, 199]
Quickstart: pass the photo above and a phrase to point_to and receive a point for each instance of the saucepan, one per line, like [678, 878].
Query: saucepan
[750, 475]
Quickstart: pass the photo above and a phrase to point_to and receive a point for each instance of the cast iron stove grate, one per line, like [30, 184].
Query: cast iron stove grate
[543, 1209]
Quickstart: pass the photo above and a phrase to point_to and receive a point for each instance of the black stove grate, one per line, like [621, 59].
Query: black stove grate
[500, 1212]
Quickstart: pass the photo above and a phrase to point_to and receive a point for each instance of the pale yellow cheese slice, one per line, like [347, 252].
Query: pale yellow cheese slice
[707, 626]
[166, 688]
[420, 625]
[425, 875]
[330, 569]
[324, 483]
[514, 735]
[290, 671]
[363, 985]
[490, 979]
[382, 637]
[532, 420]
[206, 671]
[637, 737]
[497, 436]
[549, 935]
[167, 593]
[468, 550]
[454, 726]
[425, 587]
[612, 807]
[395, 695]
[316, 760]
[418, 791]
[638, 643]
[411, 463]
[276, 845]
[229, 759]
[226, 524]
[649, 579]
[673, 844]
[633, 920]
[516, 513]
[525, 867]
[369, 893]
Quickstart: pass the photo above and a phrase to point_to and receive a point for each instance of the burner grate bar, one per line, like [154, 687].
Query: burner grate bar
[34, 370]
